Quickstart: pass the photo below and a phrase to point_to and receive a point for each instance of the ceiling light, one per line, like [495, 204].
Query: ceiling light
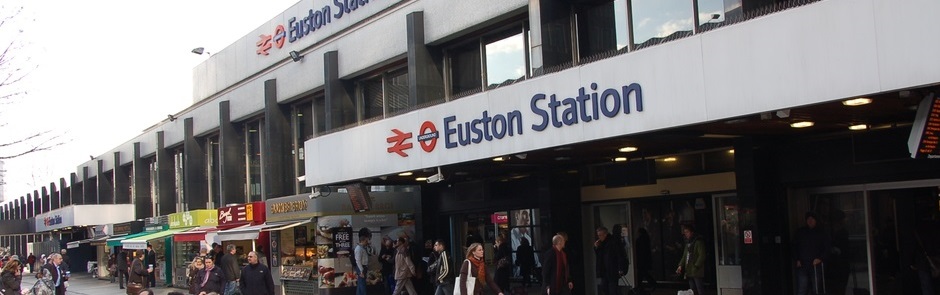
[731, 151]
[499, 159]
[405, 173]
[669, 159]
[627, 149]
[421, 179]
[802, 124]
[620, 159]
[857, 101]
[858, 127]
[562, 158]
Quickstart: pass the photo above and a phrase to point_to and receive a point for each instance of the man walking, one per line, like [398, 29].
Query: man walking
[441, 270]
[230, 269]
[122, 268]
[609, 255]
[556, 275]
[810, 250]
[151, 263]
[362, 264]
[256, 277]
[56, 272]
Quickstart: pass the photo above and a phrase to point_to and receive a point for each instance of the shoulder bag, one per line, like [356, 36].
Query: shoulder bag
[471, 281]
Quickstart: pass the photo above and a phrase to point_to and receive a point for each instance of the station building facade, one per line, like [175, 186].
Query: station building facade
[535, 117]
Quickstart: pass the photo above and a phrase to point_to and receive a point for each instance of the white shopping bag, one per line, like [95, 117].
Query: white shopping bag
[686, 292]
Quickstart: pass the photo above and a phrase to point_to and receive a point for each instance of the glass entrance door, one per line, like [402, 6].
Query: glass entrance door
[729, 242]
[902, 220]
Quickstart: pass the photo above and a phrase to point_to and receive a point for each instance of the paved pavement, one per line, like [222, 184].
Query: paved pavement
[84, 284]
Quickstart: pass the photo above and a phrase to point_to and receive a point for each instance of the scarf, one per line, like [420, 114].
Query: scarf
[481, 271]
[561, 269]
[206, 277]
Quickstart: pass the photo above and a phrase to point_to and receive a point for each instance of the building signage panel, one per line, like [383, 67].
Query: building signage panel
[204, 217]
[318, 20]
[925, 132]
[238, 214]
[56, 219]
[126, 228]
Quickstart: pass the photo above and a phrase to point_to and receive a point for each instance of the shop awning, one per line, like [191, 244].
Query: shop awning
[99, 241]
[116, 241]
[140, 242]
[251, 232]
[194, 235]
[75, 244]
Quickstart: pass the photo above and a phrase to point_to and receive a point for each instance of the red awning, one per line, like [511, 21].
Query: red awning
[194, 235]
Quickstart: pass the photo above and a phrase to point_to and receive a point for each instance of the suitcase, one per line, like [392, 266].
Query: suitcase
[855, 289]
[819, 279]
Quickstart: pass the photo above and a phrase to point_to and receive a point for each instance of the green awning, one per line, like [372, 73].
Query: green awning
[113, 242]
[140, 242]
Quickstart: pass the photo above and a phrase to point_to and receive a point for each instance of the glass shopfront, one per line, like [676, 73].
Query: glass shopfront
[312, 255]
[190, 241]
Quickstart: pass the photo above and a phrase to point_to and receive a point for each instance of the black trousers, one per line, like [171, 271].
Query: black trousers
[122, 277]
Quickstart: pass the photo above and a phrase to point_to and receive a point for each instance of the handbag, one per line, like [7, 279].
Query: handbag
[471, 281]
[134, 288]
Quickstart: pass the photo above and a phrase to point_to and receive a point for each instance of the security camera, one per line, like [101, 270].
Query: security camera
[315, 193]
[435, 178]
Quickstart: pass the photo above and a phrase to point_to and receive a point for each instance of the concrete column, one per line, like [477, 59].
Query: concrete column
[166, 203]
[29, 206]
[277, 173]
[340, 110]
[21, 208]
[425, 73]
[37, 203]
[121, 193]
[142, 199]
[89, 189]
[195, 186]
[232, 158]
[65, 192]
[47, 198]
[104, 187]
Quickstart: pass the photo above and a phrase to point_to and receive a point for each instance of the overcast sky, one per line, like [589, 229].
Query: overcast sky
[101, 71]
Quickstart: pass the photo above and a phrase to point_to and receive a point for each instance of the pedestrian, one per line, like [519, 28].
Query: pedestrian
[404, 268]
[361, 267]
[441, 270]
[644, 261]
[192, 272]
[230, 269]
[810, 249]
[31, 262]
[503, 260]
[112, 266]
[387, 259]
[65, 266]
[609, 267]
[525, 260]
[556, 271]
[139, 275]
[256, 277]
[11, 277]
[55, 273]
[210, 279]
[151, 260]
[692, 262]
[474, 267]
[122, 269]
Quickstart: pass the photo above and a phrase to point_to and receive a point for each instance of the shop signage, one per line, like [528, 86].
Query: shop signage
[316, 19]
[748, 237]
[499, 218]
[57, 219]
[296, 273]
[204, 217]
[127, 228]
[237, 214]
[342, 241]
[84, 215]
[301, 206]
[52, 220]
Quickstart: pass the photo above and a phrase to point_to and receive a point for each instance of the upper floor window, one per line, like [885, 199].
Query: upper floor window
[383, 94]
[487, 61]
[302, 122]
[254, 137]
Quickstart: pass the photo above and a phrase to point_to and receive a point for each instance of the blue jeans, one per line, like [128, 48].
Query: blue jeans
[361, 281]
[444, 289]
[230, 288]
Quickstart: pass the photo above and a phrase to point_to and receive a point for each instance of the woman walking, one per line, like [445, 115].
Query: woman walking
[12, 277]
[404, 268]
[191, 275]
[474, 267]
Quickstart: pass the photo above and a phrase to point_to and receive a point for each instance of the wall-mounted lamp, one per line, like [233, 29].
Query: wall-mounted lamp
[295, 56]
[199, 50]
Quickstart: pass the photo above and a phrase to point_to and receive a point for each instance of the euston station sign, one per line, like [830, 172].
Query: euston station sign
[313, 20]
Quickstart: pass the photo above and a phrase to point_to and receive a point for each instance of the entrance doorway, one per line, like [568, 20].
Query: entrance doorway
[872, 229]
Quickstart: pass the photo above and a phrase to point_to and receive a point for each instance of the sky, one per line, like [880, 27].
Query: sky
[87, 59]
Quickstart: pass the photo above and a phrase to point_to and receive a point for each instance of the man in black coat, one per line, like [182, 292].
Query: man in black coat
[57, 273]
[210, 279]
[230, 269]
[122, 268]
[256, 277]
[609, 262]
[810, 249]
[151, 260]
